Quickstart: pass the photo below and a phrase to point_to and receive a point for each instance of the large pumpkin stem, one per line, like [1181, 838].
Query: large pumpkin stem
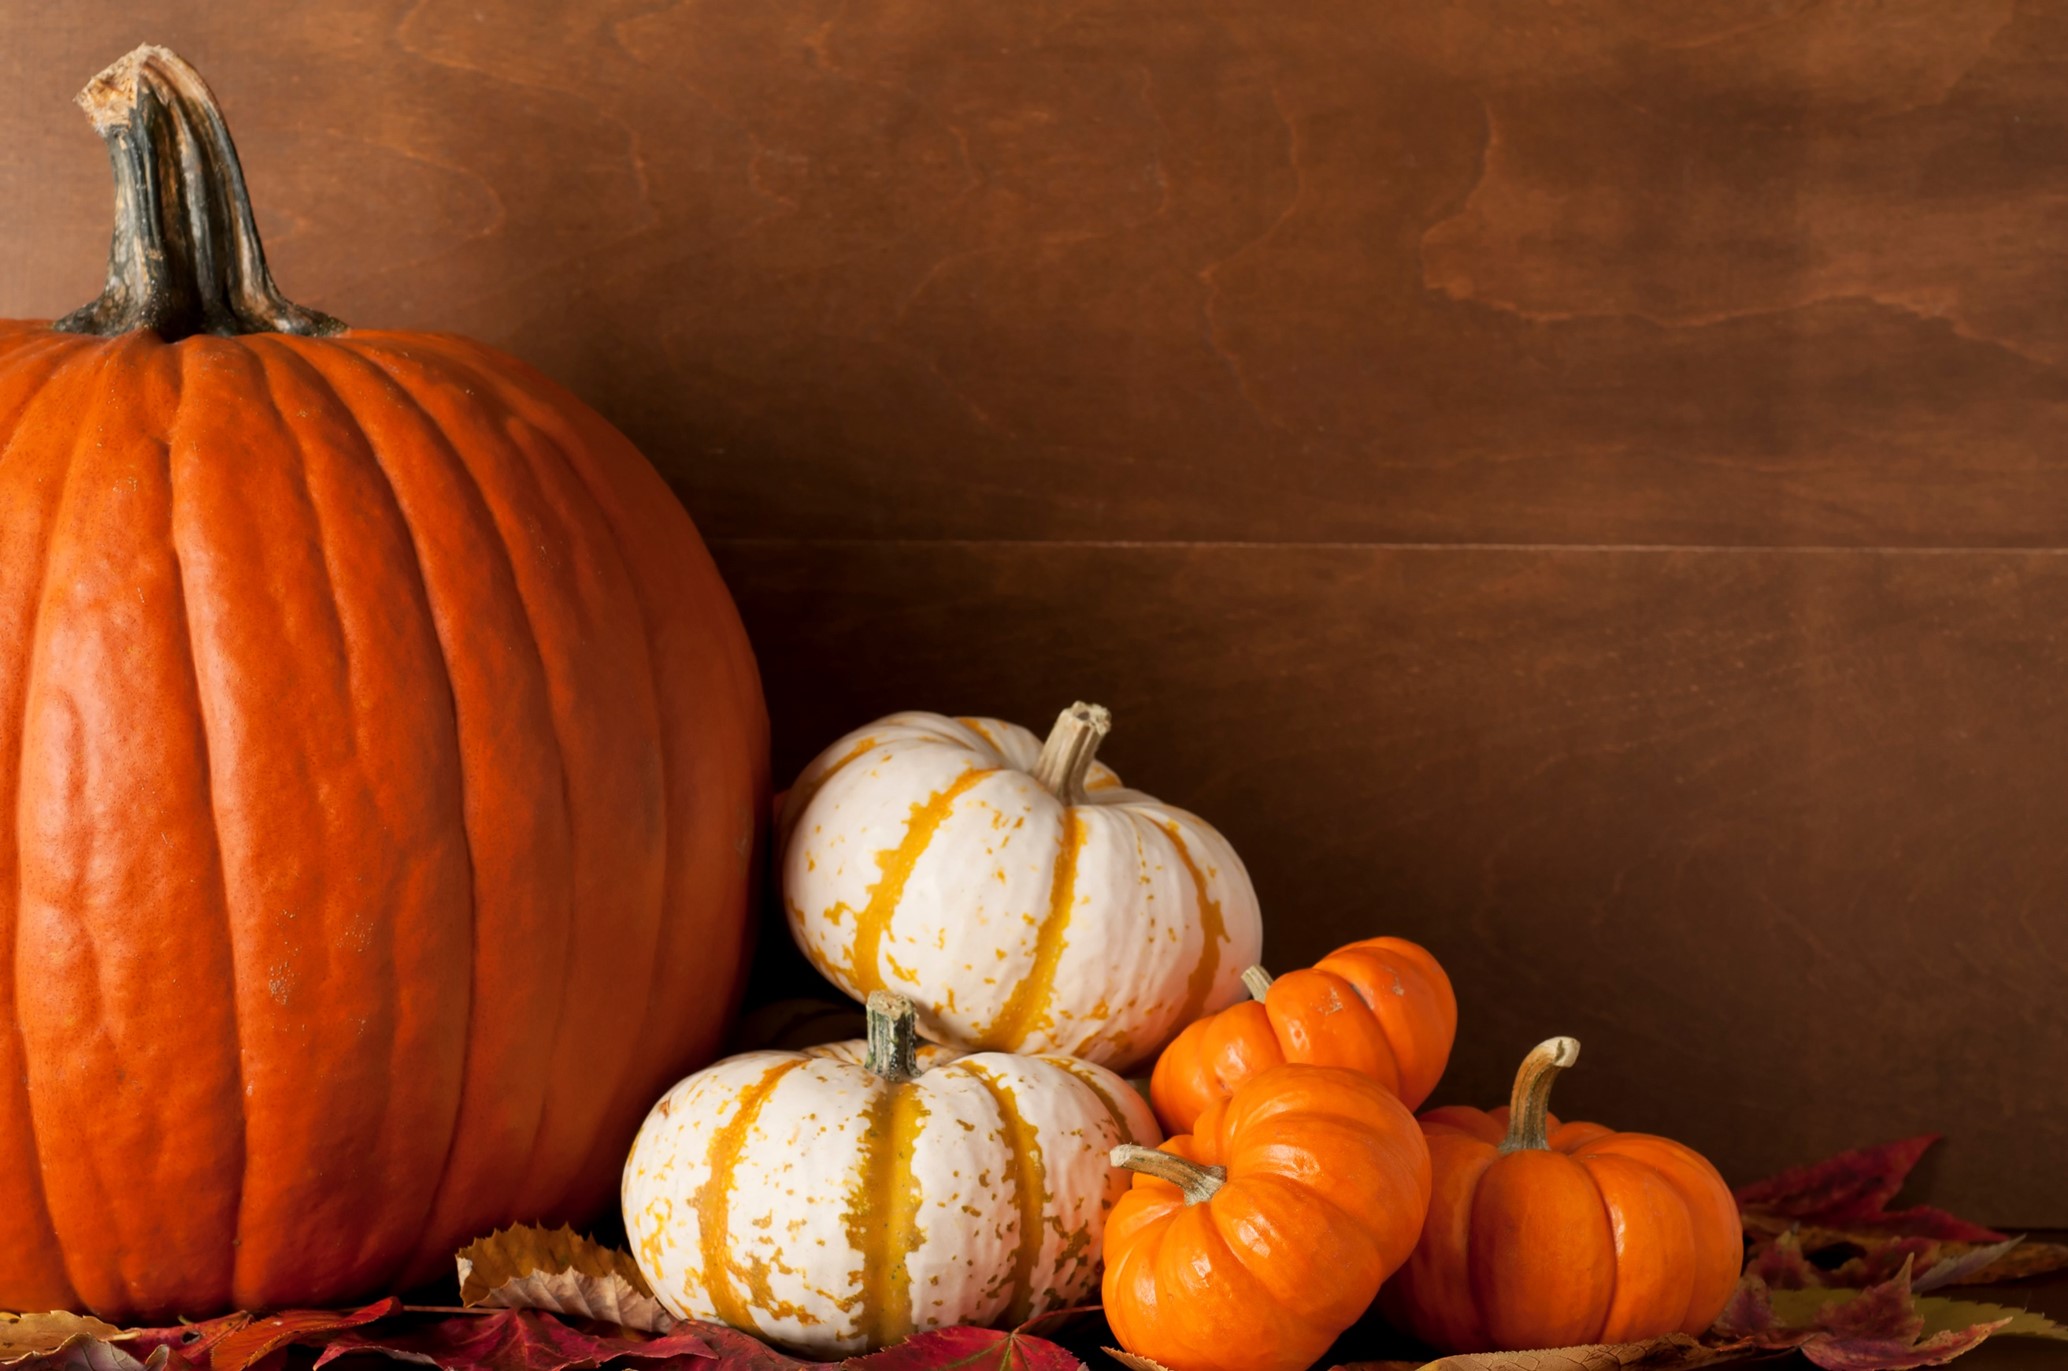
[1066, 757]
[1530, 1101]
[186, 257]
[1198, 1182]
[893, 1037]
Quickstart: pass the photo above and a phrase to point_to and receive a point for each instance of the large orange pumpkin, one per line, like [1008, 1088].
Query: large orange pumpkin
[1381, 1006]
[385, 761]
[1253, 1243]
[1543, 1234]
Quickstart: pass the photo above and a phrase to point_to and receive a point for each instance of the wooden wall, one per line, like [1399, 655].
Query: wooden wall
[1580, 484]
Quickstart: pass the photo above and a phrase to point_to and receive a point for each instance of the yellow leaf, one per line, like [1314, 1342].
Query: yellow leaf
[1943, 1315]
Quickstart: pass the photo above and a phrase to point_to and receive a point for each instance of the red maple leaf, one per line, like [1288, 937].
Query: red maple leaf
[1879, 1329]
[244, 1345]
[530, 1340]
[1852, 1190]
[514, 1340]
[968, 1349]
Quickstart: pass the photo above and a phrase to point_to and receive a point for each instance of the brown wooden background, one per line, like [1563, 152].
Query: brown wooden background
[1582, 484]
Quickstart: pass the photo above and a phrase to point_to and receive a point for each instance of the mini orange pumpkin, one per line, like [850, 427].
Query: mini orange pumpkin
[1543, 1234]
[1382, 1007]
[1251, 1244]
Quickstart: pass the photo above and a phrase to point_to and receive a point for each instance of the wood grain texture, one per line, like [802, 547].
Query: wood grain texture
[1580, 483]
[1602, 271]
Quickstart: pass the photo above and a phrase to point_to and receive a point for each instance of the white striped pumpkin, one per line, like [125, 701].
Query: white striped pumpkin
[1015, 891]
[838, 1199]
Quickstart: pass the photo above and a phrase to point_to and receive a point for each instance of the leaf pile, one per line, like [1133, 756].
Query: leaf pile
[1829, 1224]
[1886, 1327]
[500, 1340]
[537, 1300]
[1829, 1274]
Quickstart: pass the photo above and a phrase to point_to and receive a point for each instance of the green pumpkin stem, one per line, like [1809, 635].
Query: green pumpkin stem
[1199, 1182]
[893, 1037]
[1072, 745]
[186, 257]
[1530, 1102]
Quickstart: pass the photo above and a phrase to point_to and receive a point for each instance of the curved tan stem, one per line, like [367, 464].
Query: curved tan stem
[185, 257]
[893, 1037]
[1072, 745]
[1198, 1182]
[1257, 982]
[1530, 1101]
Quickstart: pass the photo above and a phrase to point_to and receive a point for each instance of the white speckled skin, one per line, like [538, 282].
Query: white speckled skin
[848, 1212]
[920, 857]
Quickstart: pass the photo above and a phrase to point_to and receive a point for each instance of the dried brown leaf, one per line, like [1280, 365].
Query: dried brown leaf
[83, 1353]
[561, 1272]
[1133, 1361]
[28, 1335]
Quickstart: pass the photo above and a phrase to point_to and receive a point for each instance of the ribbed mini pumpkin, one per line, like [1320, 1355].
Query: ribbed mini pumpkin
[837, 1199]
[1253, 1243]
[383, 760]
[1542, 1234]
[1013, 889]
[1381, 1006]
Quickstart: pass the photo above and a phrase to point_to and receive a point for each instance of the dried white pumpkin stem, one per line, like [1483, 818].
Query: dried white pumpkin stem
[1530, 1102]
[1072, 745]
[1197, 1181]
[893, 1037]
[1257, 982]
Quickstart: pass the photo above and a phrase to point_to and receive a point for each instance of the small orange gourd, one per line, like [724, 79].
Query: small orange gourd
[1251, 1244]
[1542, 1234]
[1382, 1007]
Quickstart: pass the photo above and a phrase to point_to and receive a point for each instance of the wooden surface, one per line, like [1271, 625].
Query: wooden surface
[1581, 484]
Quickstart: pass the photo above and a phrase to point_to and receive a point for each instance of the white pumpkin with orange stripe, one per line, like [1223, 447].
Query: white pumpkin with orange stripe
[838, 1199]
[1014, 890]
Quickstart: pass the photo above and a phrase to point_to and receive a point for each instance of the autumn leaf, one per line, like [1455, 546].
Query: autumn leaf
[967, 1349]
[1828, 1224]
[1852, 1190]
[27, 1335]
[558, 1270]
[1668, 1353]
[258, 1338]
[1134, 1361]
[1886, 1327]
[510, 1340]
[90, 1354]
[58, 1341]
[193, 1343]
[534, 1340]
[1962, 1268]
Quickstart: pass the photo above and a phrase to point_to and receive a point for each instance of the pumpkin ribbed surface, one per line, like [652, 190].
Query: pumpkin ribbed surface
[1549, 1234]
[808, 1200]
[923, 858]
[1382, 1007]
[1301, 1192]
[385, 757]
